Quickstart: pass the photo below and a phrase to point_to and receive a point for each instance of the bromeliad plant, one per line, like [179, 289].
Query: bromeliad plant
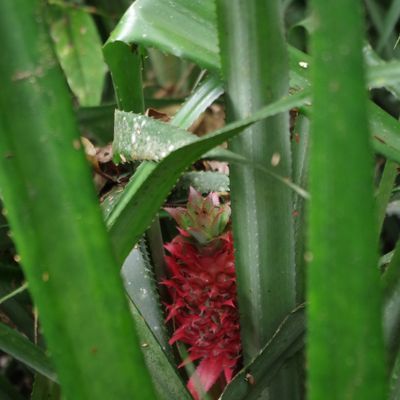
[203, 290]
[239, 313]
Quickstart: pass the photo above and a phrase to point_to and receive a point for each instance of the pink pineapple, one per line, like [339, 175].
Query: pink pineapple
[202, 286]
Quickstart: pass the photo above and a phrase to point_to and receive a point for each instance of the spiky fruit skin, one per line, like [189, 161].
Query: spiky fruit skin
[202, 286]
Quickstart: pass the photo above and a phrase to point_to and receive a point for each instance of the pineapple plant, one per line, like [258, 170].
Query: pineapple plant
[202, 286]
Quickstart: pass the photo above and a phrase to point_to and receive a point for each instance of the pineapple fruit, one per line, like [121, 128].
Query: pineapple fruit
[202, 285]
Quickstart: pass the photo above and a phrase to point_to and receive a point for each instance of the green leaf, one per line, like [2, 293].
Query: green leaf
[385, 132]
[345, 347]
[184, 29]
[44, 388]
[391, 312]
[140, 287]
[25, 351]
[257, 215]
[78, 47]
[98, 121]
[385, 75]
[287, 340]
[76, 286]
[167, 381]
[154, 139]
[198, 101]
[137, 137]
[14, 307]
[394, 380]
[389, 24]
[170, 71]
[203, 182]
[375, 12]
[261, 206]
[373, 61]
[300, 155]
[144, 195]
[125, 67]
[384, 194]
[145, 306]
[13, 293]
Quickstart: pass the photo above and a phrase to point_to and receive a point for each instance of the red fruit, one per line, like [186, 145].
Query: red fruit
[202, 285]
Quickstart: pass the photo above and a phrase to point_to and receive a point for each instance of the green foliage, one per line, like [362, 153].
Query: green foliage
[71, 254]
[345, 353]
[284, 344]
[22, 349]
[61, 238]
[261, 206]
[147, 191]
[78, 48]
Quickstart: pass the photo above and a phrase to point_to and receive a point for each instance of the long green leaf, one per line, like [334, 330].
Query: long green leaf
[98, 121]
[78, 47]
[200, 99]
[179, 27]
[261, 206]
[141, 290]
[375, 13]
[125, 67]
[25, 351]
[391, 312]
[385, 130]
[14, 307]
[300, 155]
[383, 75]
[394, 386]
[76, 285]
[262, 219]
[384, 194]
[140, 287]
[138, 137]
[258, 374]
[373, 61]
[345, 346]
[391, 18]
[44, 388]
[141, 137]
[258, 216]
[203, 182]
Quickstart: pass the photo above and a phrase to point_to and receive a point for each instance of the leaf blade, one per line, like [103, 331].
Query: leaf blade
[76, 286]
[25, 351]
[342, 231]
[78, 47]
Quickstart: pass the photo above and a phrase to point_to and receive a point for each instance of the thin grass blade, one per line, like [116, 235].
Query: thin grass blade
[25, 351]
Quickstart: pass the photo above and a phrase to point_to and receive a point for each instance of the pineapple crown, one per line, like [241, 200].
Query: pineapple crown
[204, 218]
